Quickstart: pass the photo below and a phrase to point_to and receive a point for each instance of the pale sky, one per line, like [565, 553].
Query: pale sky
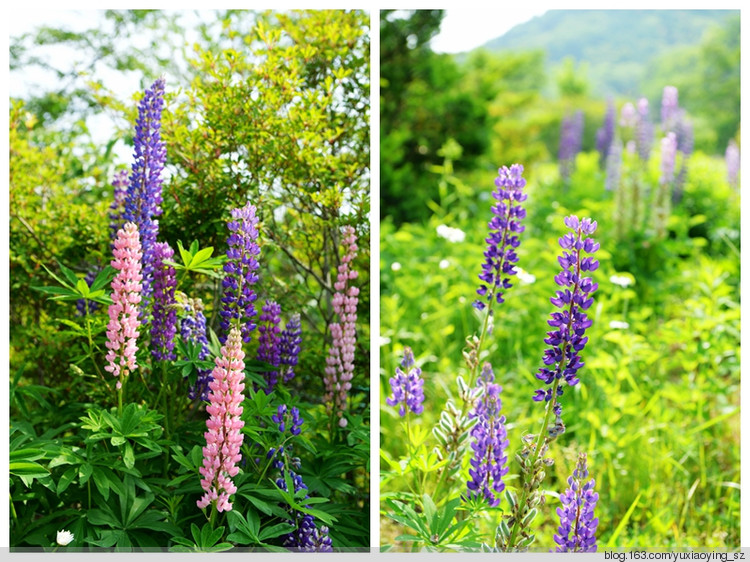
[466, 29]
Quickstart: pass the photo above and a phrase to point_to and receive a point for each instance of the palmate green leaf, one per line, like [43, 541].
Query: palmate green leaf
[103, 279]
[275, 531]
[66, 479]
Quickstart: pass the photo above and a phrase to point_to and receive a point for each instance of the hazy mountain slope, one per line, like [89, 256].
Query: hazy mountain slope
[615, 44]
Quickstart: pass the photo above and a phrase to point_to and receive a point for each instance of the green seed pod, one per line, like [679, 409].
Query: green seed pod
[510, 497]
[529, 517]
[503, 530]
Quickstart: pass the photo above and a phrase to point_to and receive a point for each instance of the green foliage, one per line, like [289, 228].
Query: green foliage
[422, 104]
[707, 76]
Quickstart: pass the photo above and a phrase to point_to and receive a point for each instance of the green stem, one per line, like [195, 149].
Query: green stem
[534, 458]
[13, 509]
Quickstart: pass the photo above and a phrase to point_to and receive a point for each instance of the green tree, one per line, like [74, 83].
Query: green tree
[422, 105]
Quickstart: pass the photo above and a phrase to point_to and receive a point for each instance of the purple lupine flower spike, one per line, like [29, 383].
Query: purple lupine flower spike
[489, 442]
[120, 183]
[290, 340]
[503, 238]
[644, 131]
[732, 160]
[240, 268]
[614, 166]
[164, 322]
[306, 537]
[606, 134]
[193, 329]
[577, 531]
[84, 306]
[143, 199]
[407, 386]
[562, 359]
[571, 141]
[268, 342]
[669, 108]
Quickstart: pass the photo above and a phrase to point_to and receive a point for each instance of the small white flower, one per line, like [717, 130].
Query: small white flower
[444, 264]
[617, 325]
[64, 537]
[524, 276]
[451, 234]
[621, 280]
[395, 266]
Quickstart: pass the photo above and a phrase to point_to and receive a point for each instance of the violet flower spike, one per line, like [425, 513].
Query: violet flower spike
[644, 131]
[306, 537]
[290, 340]
[503, 239]
[577, 530]
[562, 359]
[143, 199]
[242, 264]
[268, 342]
[606, 134]
[407, 386]
[120, 185]
[193, 329]
[164, 322]
[489, 443]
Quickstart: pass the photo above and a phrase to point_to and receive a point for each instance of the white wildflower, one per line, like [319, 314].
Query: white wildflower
[395, 266]
[450, 233]
[524, 276]
[444, 264]
[64, 537]
[621, 280]
[618, 325]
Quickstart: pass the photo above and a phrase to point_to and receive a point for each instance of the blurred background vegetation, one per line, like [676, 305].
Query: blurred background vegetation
[657, 409]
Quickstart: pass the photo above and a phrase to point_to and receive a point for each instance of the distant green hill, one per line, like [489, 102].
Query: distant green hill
[616, 45]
